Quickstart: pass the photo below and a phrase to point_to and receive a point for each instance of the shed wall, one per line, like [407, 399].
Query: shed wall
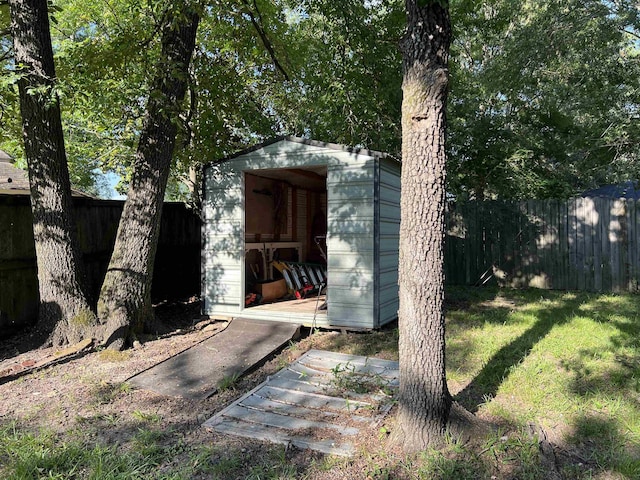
[388, 240]
[350, 241]
[223, 239]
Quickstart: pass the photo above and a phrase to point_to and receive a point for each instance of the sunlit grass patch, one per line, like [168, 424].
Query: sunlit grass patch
[568, 360]
[26, 455]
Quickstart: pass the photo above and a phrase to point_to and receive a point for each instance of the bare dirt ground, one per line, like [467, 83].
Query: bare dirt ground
[88, 397]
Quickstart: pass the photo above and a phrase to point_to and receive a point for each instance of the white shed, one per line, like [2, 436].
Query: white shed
[278, 202]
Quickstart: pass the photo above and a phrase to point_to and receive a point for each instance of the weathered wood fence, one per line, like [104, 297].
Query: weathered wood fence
[578, 244]
[177, 264]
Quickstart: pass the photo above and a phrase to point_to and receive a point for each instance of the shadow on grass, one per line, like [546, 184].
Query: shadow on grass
[601, 449]
[603, 382]
[498, 368]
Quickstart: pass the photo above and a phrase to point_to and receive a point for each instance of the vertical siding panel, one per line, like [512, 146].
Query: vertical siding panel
[617, 244]
[552, 250]
[571, 256]
[636, 246]
[516, 245]
[632, 246]
[487, 242]
[534, 270]
[545, 254]
[389, 231]
[580, 244]
[559, 242]
[350, 220]
[223, 246]
[467, 215]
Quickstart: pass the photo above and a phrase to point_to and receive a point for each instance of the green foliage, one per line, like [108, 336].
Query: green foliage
[346, 379]
[39, 455]
[228, 382]
[346, 60]
[544, 98]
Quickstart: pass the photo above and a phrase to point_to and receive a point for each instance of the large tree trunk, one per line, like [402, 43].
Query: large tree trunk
[65, 313]
[424, 398]
[125, 298]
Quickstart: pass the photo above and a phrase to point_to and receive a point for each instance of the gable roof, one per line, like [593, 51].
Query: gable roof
[15, 181]
[306, 141]
[12, 179]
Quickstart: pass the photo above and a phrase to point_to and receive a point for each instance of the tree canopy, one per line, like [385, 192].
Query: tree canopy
[544, 95]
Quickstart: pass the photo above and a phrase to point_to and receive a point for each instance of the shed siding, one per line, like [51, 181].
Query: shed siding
[350, 240]
[389, 238]
[223, 239]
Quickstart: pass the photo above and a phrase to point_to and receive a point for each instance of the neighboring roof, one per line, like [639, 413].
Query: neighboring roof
[15, 181]
[12, 179]
[306, 141]
[4, 156]
[629, 190]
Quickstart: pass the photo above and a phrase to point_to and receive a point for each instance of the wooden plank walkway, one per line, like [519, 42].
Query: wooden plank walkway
[320, 402]
[196, 372]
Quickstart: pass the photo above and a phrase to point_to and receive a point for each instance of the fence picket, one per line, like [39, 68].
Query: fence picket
[578, 244]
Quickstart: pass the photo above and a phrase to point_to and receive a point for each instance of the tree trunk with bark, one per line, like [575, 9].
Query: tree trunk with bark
[125, 298]
[425, 401]
[65, 315]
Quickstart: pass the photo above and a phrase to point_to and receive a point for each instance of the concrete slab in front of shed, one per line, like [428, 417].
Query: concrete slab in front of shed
[196, 372]
[309, 404]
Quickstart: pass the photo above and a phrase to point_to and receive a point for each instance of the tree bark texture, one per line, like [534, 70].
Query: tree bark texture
[125, 298]
[424, 401]
[65, 314]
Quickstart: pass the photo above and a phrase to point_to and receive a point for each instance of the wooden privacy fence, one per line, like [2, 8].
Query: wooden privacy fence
[177, 263]
[578, 244]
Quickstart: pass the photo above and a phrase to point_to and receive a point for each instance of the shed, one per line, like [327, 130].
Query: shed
[278, 201]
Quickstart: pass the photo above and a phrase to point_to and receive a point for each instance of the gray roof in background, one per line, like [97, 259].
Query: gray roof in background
[15, 181]
[629, 190]
[5, 157]
[12, 178]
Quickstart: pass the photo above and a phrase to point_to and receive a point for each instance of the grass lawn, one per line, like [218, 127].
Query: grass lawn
[563, 365]
[569, 362]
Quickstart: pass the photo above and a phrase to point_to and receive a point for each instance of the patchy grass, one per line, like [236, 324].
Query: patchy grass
[548, 369]
[27, 455]
[566, 361]
[109, 355]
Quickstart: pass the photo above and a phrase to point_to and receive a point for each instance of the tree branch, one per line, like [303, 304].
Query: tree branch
[6, 55]
[257, 23]
[629, 32]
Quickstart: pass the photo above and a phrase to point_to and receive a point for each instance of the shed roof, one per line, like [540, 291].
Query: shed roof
[306, 141]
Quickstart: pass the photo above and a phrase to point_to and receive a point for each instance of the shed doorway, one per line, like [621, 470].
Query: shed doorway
[285, 229]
